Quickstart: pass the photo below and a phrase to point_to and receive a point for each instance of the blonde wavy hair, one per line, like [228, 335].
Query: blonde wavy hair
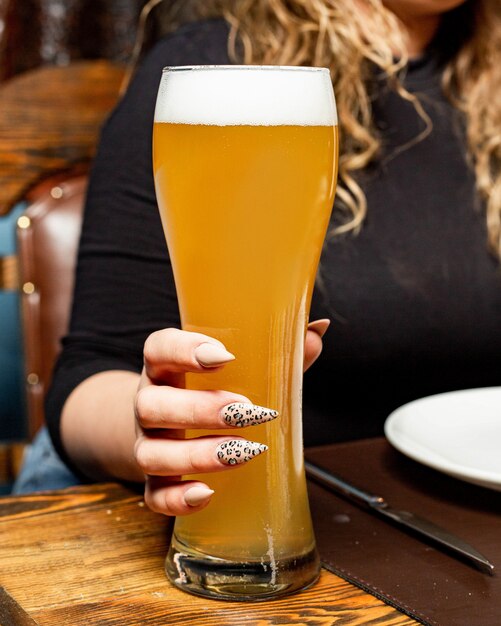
[331, 33]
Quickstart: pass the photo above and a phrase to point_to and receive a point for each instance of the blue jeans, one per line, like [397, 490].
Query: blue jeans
[43, 469]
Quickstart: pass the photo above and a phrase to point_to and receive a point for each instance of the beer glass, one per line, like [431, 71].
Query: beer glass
[245, 163]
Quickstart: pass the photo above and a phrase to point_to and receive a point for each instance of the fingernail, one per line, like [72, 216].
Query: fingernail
[212, 355]
[242, 414]
[319, 326]
[197, 495]
[237, 451]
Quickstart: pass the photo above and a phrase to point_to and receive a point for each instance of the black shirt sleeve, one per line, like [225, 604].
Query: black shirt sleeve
[124, 285]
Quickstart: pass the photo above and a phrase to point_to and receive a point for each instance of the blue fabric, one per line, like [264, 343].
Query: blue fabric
[43, 469]
[12, 407]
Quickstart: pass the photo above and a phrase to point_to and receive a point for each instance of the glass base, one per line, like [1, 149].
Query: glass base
[211, 577]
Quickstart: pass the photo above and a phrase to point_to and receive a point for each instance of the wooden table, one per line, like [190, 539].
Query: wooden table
[49, 121]
[94, 556]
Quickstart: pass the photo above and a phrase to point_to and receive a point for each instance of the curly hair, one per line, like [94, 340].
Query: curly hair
[331, 33]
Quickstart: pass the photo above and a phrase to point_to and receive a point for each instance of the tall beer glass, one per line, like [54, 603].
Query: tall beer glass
[245, 162]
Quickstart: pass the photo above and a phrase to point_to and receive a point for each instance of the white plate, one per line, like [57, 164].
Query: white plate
[458, 433]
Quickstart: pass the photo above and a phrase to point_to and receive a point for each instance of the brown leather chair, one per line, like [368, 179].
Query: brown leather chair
[47, 235]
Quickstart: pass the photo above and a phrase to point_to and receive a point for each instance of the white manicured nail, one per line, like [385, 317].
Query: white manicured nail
[197, 495]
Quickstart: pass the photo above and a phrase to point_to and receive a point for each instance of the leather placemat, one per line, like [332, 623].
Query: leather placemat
[417, 578]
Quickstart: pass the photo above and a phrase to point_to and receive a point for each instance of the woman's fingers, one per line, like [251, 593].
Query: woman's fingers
[172, 351]
[162, 410]
[169, 407]
[172, 497]
[163, 456]
[313, 341]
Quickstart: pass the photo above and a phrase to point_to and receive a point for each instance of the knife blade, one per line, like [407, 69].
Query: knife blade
[406, 519]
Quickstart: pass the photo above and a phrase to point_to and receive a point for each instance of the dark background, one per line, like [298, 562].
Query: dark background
[56, 32]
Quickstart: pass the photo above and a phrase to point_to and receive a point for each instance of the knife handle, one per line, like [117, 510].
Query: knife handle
[338, 485]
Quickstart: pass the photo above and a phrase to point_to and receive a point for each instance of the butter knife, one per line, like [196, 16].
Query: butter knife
[408, 520]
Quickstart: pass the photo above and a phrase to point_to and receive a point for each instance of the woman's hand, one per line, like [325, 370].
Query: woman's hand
[313, 341]
[164, 409]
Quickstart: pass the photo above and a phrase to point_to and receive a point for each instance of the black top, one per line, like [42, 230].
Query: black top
[415, 298]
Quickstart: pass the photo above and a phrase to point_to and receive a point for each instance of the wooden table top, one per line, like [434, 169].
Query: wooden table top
[94, 555]
[49, 121]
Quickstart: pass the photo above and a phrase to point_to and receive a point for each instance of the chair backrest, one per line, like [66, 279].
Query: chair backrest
[47, 236]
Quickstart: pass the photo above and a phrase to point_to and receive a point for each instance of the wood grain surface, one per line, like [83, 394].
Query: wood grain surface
[94, 555]
[49, 121]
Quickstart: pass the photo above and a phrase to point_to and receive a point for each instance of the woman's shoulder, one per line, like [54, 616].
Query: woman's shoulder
[195, 43]
[202, 42]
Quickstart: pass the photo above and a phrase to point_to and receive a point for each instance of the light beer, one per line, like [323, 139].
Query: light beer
[245, 166]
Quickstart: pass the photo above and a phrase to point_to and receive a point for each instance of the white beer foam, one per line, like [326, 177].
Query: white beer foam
[246, 95]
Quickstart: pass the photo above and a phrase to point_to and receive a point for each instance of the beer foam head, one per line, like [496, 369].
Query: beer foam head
[246, 95]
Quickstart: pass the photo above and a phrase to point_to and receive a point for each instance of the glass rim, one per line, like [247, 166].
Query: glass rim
[286, 68]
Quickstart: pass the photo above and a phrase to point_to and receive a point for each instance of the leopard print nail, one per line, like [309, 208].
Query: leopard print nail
[242, 414]
[235, 452]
